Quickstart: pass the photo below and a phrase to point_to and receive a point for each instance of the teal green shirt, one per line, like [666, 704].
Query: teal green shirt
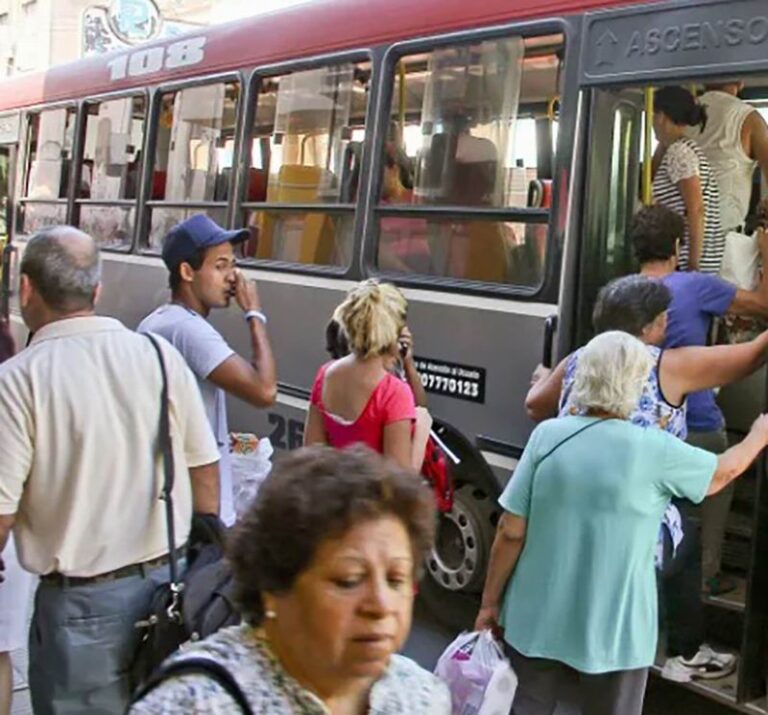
[584, 590]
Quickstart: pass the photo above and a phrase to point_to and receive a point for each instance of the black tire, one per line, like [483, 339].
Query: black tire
[454, 610]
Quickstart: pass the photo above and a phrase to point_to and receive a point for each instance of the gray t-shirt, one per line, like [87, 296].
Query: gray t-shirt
[204, 349]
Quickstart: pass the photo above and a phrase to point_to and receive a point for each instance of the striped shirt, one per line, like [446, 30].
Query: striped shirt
[684, 160]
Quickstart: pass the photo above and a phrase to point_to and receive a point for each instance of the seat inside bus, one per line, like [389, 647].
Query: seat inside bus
[304, 237]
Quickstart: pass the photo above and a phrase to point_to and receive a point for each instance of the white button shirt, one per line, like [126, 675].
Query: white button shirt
[80, 468]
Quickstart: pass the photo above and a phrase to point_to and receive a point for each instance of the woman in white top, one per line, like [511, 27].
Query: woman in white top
[734, 141]
[684, 181]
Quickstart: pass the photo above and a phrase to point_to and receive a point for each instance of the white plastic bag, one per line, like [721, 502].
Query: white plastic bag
[251, 465]
[480, 678]
[741, 260]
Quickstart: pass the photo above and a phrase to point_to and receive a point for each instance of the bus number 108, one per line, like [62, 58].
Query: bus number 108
[155, 59]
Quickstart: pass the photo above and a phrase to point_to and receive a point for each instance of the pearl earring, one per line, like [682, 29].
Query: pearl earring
[270, 614]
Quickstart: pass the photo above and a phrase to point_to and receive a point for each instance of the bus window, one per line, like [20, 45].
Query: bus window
[192, 171]
[50, 136]
[471, 129]
[306, 148]
[111, 170]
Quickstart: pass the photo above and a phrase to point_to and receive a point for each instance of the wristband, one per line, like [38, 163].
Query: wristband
[255, 314]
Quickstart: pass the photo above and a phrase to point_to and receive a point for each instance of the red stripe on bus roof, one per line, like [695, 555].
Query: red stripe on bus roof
[301, 31]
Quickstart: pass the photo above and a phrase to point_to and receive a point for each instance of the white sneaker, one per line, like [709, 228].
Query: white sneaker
[707, 664]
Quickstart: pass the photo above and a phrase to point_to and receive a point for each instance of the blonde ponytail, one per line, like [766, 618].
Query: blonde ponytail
[372, 316]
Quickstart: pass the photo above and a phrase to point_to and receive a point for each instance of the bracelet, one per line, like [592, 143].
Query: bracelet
[255, 314]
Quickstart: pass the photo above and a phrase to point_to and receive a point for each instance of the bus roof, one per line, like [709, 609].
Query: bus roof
[300, 31]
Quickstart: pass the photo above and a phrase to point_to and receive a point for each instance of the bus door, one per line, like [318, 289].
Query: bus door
[9, 130]
[612, 194]
[621, 63]
[615, 189]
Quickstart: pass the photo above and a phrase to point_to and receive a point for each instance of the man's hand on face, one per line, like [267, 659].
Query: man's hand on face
[246, 293]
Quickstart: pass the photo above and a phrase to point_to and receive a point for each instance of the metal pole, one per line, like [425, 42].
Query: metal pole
[647, 153]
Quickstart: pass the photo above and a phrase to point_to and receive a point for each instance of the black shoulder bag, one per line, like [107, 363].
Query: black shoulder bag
[196, 666]
[199, 603]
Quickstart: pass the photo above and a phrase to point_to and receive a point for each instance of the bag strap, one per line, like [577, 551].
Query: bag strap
[196, 665]
[169, 475]
[572, 435]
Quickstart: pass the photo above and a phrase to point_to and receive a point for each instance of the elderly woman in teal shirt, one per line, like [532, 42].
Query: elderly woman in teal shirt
[571, 577]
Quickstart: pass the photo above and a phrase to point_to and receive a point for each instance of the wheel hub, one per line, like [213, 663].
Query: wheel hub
[454, 560]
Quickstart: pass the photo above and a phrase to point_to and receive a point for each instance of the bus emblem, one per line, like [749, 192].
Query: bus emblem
[134, 20]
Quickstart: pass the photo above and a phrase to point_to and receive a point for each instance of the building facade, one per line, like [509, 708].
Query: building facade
[36, 34]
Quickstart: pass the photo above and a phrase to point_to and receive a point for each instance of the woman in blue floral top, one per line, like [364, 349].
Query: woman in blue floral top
[325, 562]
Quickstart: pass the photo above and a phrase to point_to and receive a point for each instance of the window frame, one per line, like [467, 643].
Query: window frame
[22, 200]
[150, 141]
[82, 128]
[257, 75]
[547, 287]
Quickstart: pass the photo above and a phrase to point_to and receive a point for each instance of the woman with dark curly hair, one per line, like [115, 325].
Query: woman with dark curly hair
[325, 563]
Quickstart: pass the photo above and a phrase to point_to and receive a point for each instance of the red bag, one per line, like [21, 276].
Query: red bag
[436, 471]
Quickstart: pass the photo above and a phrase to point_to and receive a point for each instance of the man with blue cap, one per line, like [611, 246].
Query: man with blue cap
[200, 258]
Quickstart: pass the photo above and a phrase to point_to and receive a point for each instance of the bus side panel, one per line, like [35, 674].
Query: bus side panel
[485, 338]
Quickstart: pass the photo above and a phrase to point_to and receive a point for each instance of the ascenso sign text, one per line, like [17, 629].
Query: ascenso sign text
[655, 38]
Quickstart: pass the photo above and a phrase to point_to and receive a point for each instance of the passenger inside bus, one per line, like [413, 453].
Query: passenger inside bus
[469, 120]
[735, 141]
[684, 180]
[408, 248]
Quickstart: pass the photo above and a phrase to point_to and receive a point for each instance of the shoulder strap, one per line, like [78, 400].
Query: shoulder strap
[197, 665]
[166, 447]
[571, 436]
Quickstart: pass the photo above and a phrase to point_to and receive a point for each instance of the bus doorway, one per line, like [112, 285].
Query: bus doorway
[620, 145]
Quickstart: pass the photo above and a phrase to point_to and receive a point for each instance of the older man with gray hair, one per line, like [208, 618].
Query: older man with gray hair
[81, 476]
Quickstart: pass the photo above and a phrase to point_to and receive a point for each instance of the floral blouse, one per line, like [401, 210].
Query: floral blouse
[405, 687]
[652, 410]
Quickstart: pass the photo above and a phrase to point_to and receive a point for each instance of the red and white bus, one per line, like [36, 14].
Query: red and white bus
[485, 156]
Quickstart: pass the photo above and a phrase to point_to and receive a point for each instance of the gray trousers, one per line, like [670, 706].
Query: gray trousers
[544, 684]
[82, 642]
[714, 509]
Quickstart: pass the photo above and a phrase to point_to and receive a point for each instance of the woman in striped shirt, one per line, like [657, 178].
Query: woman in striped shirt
[684, 181]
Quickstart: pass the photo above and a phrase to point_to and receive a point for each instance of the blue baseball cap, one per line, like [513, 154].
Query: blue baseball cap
[196, 232]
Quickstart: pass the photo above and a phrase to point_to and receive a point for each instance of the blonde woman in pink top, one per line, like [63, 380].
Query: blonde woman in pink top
[357, 399]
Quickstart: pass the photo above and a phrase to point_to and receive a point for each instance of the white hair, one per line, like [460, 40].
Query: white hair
[611, 373]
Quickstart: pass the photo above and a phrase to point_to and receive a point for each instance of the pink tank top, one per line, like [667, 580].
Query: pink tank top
[391, 401]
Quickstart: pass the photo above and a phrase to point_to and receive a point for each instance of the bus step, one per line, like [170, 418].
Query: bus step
[733, 600]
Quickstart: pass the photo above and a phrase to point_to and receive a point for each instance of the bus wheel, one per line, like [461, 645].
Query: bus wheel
[463, 541]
